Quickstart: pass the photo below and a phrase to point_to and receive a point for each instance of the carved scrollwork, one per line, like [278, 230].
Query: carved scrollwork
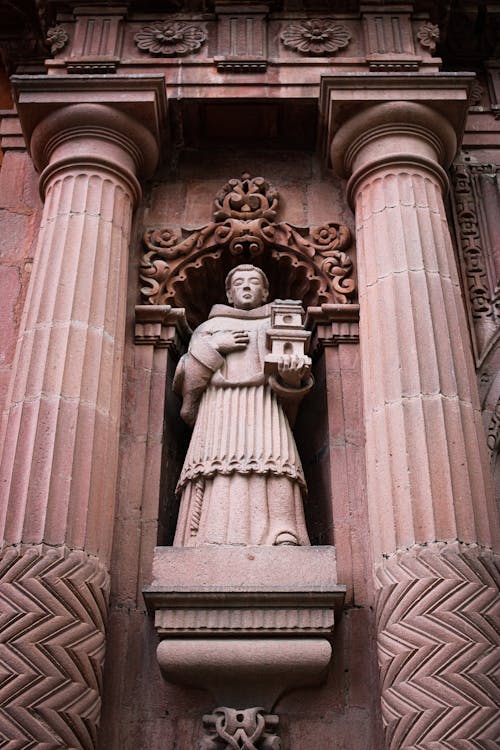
[305, 263]
[245, 729]
[57, 38]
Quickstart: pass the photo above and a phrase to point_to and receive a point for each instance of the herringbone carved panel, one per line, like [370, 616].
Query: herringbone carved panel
[53, 605]
[438, 644]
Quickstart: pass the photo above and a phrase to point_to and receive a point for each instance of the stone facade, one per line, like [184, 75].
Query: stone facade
[147, 149]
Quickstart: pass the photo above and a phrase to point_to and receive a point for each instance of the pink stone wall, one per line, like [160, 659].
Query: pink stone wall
[20, 213]
[140, 708]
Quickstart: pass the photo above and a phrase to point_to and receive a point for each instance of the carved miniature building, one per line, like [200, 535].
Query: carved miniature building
[348, 152]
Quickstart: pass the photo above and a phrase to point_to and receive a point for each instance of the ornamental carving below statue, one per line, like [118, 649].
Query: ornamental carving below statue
[248, 729]
[310, 264]
[170, 38]
[315, 37]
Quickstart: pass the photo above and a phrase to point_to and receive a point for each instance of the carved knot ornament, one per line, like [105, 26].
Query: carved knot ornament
[186, 268]
[170, 38]
[316, 37]
[235, 729]
[428, 36]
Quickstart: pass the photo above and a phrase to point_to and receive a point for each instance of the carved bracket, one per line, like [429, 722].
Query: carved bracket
[176, 264]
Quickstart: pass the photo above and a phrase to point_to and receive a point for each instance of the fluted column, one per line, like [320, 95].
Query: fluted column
[431, 514]
[61, 428]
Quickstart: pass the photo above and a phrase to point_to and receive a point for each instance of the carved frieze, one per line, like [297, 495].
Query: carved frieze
[170, 38]
[249, 729]
[317, 262]
[316, 37]
[475, 257]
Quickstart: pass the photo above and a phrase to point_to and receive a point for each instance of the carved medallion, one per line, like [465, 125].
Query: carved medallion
[245, 729]
[428, 36]
[170, 38]
[316, 37]
[305, 263]
[57, 38]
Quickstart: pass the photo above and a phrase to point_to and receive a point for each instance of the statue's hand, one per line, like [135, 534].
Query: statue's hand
[292, 370]
[230, 341]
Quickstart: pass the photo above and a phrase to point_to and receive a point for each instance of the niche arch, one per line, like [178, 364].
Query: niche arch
[183, 271]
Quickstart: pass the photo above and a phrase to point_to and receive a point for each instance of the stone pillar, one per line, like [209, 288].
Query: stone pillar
[61, 427]
[430, 506]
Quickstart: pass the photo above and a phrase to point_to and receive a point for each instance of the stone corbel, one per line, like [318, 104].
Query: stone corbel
[247, 624]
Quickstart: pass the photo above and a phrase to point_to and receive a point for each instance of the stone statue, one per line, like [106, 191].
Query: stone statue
[242, 481]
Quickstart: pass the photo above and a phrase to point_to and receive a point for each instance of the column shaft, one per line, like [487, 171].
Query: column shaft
[430, 504]
[61, 429]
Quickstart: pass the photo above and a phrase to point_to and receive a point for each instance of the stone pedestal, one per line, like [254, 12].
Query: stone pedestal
[246, 623]
[432, 519]
[61, 427]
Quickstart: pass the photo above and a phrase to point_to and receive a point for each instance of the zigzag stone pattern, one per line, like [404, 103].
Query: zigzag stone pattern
[439, 647]
[53, 604]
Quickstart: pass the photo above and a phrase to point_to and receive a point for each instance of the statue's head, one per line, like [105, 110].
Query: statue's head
[247, 287]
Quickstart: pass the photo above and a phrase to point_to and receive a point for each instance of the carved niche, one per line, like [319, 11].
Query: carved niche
[311, 264]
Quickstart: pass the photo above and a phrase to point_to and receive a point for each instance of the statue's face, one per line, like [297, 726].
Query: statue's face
[247, 290]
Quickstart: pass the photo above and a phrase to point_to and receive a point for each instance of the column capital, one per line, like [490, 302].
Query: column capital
[372, 120]
[76, 120]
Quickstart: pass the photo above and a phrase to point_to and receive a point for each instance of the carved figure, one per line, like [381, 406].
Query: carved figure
[242, 480]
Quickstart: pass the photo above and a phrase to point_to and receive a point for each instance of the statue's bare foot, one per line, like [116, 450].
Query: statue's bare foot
[285, 537]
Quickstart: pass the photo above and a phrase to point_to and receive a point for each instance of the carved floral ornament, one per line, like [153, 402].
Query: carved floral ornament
[185, 268]
[57, 38]
[170, 38]
[316, 37]
[428, 36]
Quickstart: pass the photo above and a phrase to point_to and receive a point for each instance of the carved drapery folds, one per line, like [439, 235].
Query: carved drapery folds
[175, 266]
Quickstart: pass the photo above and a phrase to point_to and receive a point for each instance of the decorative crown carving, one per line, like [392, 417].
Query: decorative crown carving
[316, 37]
[246, 198]
[170, 38]
[311, 264]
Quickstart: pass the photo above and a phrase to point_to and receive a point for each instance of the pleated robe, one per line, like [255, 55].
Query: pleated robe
[242, 481]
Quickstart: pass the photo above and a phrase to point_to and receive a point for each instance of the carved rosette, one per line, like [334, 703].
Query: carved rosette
[316, 260]
[428, 36]
[249, 729]
[170, 38]
[52, 625]
[57, 38]
[439, 646]
[316, 37]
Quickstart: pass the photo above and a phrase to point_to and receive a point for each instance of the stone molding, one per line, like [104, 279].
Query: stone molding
[333, 324]
[439, 648]
[54, 607]
[162, 326]
[233, 620]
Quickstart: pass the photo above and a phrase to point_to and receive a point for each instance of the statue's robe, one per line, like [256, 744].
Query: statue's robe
[242, 481]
